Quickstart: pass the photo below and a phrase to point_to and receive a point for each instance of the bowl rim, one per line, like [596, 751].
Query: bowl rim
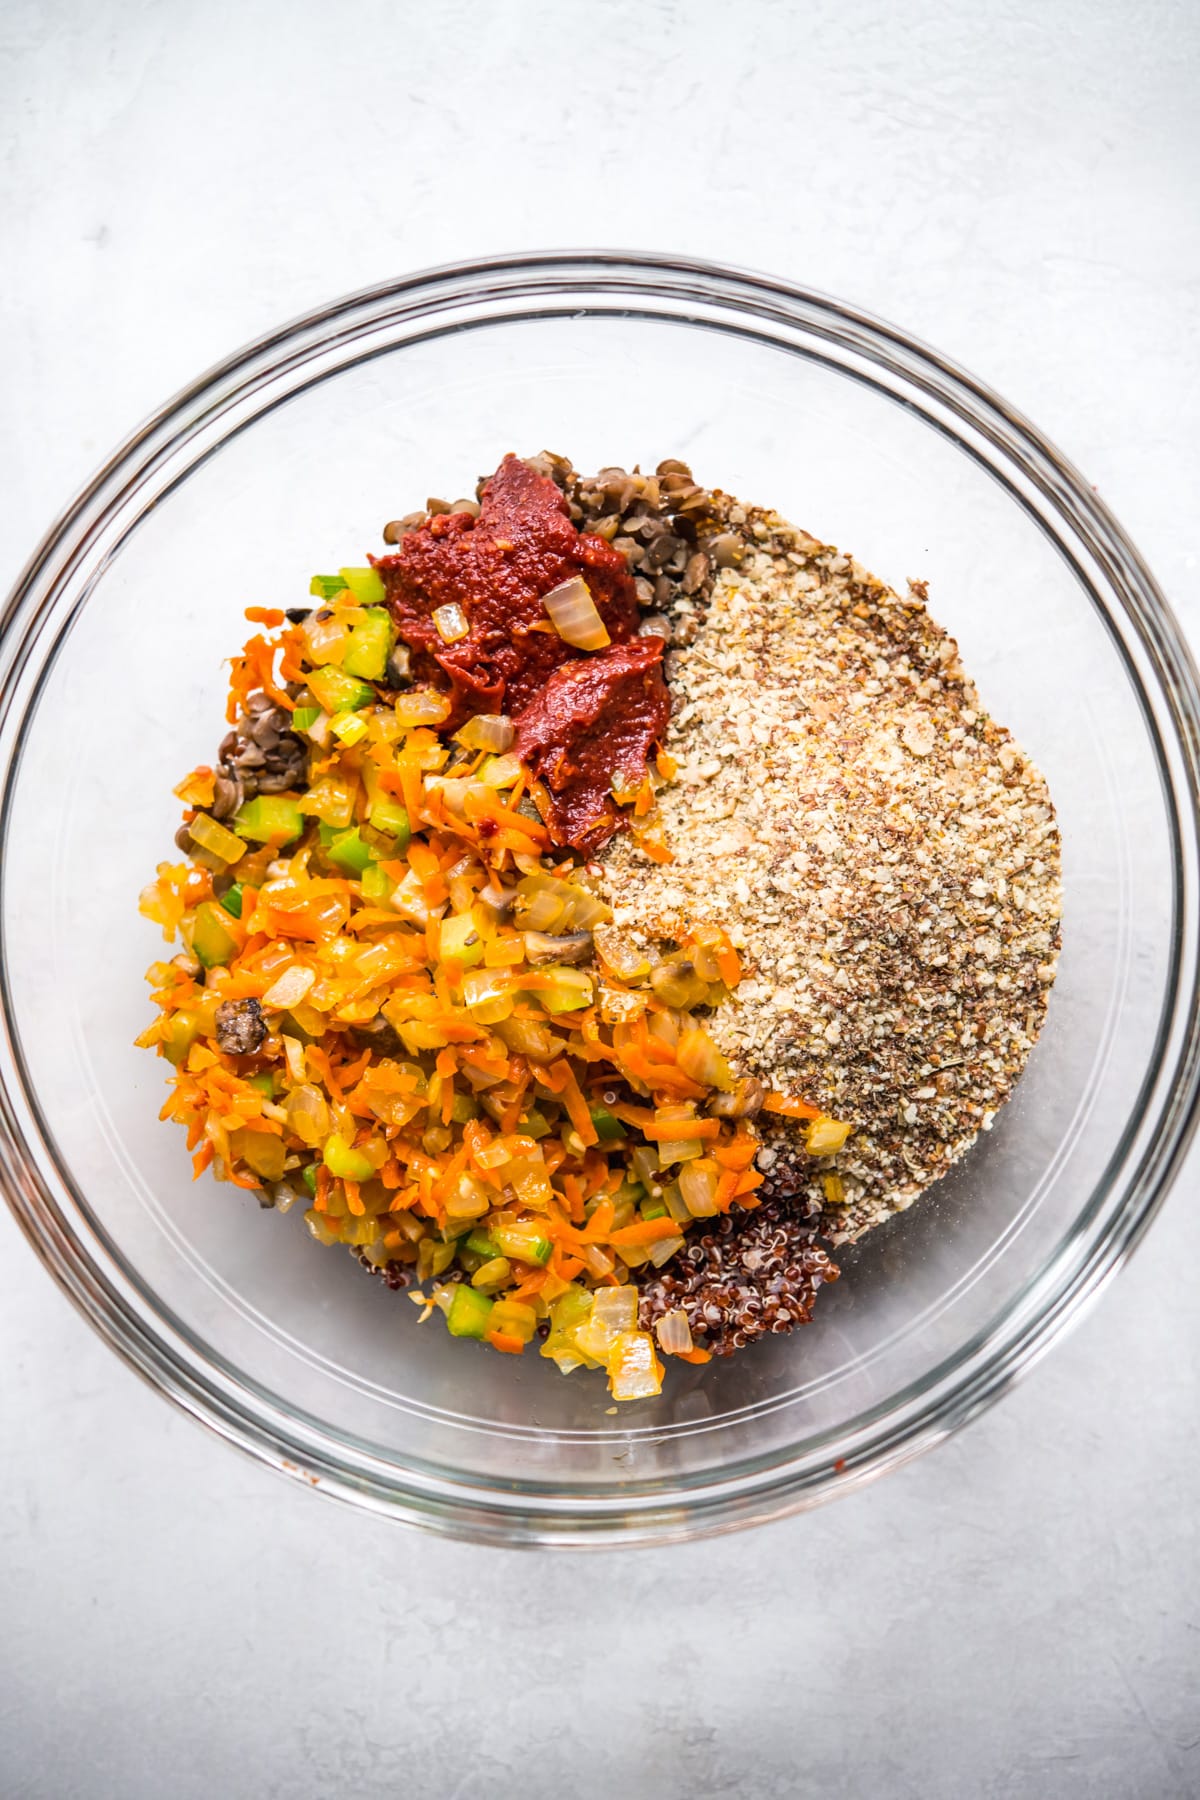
[741, 302]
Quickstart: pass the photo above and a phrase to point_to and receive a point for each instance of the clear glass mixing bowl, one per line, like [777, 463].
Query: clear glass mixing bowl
[290, 456]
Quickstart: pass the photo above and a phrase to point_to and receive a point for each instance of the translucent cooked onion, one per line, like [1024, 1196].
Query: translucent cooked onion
[486, 731]
[292, 986]
[574, 616]
[500, 772]
[451, 622]
[308, 1115]
[699, 1057]
[698, 1184]
[422, 707]
[664, 1250]
[325, 640]
[673, 1332]
[826, 1136]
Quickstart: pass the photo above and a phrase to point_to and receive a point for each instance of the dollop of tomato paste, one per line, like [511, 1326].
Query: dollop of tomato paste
[497, 568]
[591, 728]
[585, 721]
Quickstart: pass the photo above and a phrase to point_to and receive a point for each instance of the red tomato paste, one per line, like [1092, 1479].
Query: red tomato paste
[592, 726]
[584, 719]
[497, 567]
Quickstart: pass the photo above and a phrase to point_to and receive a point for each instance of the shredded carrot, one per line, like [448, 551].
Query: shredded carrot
[681, 1130]
[404, 1001]
[790, 1108]
[646, 1231]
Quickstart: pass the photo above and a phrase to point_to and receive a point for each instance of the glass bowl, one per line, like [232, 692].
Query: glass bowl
[289, 457]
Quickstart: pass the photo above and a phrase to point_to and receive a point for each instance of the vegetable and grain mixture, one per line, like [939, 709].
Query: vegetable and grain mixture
[601, 902]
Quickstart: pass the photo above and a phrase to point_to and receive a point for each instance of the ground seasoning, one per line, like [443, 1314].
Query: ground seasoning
[884, 852]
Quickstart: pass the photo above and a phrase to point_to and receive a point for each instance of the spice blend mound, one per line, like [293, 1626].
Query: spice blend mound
[881, 849]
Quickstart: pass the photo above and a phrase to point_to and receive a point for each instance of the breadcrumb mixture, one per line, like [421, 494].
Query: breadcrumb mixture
[884, 852]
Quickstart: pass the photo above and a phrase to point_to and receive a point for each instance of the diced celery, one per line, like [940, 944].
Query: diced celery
[349, 852]
[304, 716]
[609, 1128]
[324, 587]
[269, 819]
[535, 1124]
[308, 1176]
[653, 1209]
[349, 1164]
[212, 941]
[234, 900]
[183, 1028]
[463, 1109]
[366, 585]
[483, 1243]
[569, 989]
[375, 884]
[459, 938]
[390, 816]
[454, 1229]
[338, 692]
[265, 1083]
[568, 1311]
[514, 1319]
[371, 640]
[523, 1242]
[349, 728]
[469, 1312]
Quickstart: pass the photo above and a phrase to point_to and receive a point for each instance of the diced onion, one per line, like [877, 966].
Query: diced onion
[488, 995]
[500, 772]
[574, 616]
[673, 1332]
[699, 1057]
[634, 1371]
[213, 837]
[616, 1308]
[469, 1199]
[825, 1136]
[452, 623]
[566, 991]
[486, 731]
[698, 1184]
[422, 707]
[664, 1250]
[292, 986]
[325, 640]
[453, 790]
[308, 1115]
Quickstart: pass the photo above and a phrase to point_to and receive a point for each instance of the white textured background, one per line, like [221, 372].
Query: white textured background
[1017, 1615]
